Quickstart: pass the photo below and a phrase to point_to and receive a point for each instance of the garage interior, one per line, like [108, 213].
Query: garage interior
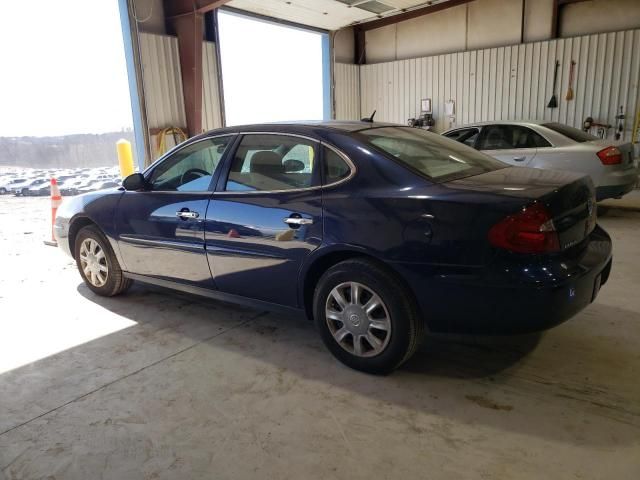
[157, 384]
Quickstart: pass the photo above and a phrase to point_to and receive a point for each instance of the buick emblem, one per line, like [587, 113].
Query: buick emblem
[355, 320]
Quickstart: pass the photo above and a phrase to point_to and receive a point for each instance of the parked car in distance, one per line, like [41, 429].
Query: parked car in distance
[7, 183]
[376, 231]
[39, 189]
[22, 188]
[550, 145]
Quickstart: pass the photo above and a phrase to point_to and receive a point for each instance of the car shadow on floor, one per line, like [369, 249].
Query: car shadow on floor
[471, 377]
[560, 394]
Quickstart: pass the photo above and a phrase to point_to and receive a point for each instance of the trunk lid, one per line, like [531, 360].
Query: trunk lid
[568, 197]
[625, 148]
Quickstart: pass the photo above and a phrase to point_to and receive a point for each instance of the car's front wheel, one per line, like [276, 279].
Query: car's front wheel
[97, 263]
[3, 191]
[365, 318]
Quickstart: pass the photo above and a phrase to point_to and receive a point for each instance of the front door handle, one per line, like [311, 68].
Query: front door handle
[184, 214]
[297, 221]
[519, 159]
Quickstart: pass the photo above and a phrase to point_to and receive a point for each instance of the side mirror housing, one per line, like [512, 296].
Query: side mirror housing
[133, 182]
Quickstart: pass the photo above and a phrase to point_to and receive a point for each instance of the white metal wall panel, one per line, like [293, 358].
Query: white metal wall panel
[211, 112]
[162, 81]
[513, 82]
[347, 91]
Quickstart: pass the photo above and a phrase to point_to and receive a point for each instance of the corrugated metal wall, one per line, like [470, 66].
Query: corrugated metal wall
[163, 83]
[512, 82]
[347, 91]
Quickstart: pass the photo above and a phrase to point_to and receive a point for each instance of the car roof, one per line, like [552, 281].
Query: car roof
[308, 126]
[529, 123]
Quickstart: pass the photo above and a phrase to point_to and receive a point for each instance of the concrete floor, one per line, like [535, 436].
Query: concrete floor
[161, 385]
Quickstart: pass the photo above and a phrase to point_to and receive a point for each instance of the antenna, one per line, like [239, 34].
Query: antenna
[369, 119]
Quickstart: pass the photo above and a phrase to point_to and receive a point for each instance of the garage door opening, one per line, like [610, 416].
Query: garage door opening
[272, 72]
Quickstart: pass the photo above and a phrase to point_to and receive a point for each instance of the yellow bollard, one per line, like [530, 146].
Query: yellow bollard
[125, 157]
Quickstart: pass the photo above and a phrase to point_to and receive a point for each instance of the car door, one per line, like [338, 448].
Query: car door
[265, 217]
[161, 229]
[512, 144]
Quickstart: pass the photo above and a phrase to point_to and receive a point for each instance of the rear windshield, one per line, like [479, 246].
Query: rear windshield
[439, 158]
[570, 132]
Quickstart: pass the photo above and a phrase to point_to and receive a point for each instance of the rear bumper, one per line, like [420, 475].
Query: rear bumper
[617, 183]
[514, 294]
[614, 191]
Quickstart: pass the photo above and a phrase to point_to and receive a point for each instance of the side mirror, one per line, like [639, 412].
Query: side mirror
[133, 182]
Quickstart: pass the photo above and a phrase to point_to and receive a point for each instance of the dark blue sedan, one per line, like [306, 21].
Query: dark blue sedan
[378, 232]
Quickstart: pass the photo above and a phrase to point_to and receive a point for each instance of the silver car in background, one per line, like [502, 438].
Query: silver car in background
[555, 146]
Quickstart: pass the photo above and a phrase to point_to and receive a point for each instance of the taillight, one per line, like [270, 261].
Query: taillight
[529, 231]
[610, 156]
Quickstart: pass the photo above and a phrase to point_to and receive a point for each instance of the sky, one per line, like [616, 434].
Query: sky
[62, 68]
[270, 73]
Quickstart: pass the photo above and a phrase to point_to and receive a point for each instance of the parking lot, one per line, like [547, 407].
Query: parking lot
[85, 381]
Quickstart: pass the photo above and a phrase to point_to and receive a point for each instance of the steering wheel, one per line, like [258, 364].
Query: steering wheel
[192, 174]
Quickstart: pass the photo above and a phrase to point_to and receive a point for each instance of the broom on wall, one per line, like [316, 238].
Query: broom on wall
[553, 103]
[569, 96]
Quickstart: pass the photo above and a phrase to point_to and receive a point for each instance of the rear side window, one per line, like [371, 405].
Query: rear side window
[434, 156]
[570, 132]
[335, 168]
[509, 137]
[272, 163]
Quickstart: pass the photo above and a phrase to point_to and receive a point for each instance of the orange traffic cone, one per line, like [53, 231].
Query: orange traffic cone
[56, 200]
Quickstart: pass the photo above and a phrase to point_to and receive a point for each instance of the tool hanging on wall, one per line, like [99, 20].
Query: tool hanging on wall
[553, 103]
[569, 96]
[620, 125]
[636, 128]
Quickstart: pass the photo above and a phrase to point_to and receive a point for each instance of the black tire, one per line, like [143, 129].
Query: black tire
[407, 328]
[116, 283]
[24, 192]
[3, 191]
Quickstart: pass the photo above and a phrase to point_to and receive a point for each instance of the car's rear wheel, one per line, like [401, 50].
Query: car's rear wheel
[364, 318]
[3, 190]
[97, 263]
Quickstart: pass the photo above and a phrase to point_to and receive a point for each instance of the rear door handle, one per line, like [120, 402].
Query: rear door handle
[184, 214]
[519, 159]
[297, 221]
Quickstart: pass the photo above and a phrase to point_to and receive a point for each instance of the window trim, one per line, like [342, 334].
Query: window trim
[148, 172]
[222, 183]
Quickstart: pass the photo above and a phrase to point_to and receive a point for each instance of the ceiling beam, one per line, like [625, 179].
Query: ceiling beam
[409, 14]
[176, 8]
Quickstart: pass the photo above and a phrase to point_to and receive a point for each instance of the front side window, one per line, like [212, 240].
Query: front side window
[467, 136]
[434, 156]
[190, 169]
[272, 162]
[509, 137]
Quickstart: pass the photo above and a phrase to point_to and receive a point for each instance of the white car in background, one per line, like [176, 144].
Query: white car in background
[555, 146]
